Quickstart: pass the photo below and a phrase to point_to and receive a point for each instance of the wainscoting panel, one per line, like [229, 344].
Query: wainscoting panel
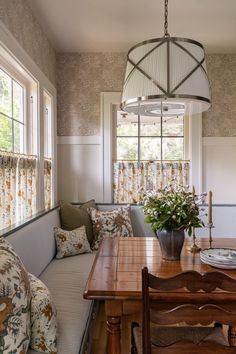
[80, 169]
[224, 220]
[219, 169]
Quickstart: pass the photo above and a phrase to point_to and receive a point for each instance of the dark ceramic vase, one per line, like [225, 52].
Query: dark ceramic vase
[171, 243]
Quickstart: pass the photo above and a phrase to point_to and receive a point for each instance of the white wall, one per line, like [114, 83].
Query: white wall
[219, 169]
[224, 221]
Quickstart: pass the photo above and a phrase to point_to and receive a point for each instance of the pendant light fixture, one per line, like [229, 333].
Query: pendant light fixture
[170, 70]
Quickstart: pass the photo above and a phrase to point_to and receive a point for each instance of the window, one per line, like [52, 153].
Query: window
[12, 123]
[148, 153]
[18, 168]
[26, 140]
[187, 171]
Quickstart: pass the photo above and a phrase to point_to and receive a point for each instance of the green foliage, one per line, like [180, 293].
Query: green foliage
[5, 94]
[10, 107]
[127, 148]
[150, 141]
[5, 133]
[172, 208]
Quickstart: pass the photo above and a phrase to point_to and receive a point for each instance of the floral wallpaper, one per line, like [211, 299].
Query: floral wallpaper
[220, 120]
[81, 78]
[20, 21]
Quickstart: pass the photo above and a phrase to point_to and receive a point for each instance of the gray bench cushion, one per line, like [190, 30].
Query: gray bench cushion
[66, 279]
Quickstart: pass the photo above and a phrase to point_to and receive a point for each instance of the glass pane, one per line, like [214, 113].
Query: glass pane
[18, 137]
[173, 126]
[150, 148]
[150, 126]
[127, 124]
[5, 133]
[127, 149]
[5, 94]
[17, 101]
[173, 148]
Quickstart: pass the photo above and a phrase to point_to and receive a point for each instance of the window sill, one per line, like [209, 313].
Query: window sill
[15, 227]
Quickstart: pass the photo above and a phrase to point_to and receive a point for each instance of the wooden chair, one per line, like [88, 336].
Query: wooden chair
[153, 337]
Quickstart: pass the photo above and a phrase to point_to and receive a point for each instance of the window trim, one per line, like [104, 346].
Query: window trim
[192, 144]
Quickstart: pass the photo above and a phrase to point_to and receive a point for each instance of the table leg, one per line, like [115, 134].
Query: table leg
[113, 335]
[232, 336]
[113, 313]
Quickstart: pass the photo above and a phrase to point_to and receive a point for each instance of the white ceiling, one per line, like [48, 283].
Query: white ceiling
[116, 25]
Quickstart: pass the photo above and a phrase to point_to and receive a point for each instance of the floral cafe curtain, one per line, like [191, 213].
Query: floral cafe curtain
[132, 178]
[17, 188]
[48, 183]
[8, 166]
[26, 191]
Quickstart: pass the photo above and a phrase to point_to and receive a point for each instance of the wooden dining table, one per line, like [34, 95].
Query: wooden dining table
[116, 278]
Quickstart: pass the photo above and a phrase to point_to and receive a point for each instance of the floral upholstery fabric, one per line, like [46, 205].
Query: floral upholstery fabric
[110, 224]
[70, 243]
[43, 318]
[14, 302]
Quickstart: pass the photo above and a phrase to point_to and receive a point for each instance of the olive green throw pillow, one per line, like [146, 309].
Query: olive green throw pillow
[73, 217]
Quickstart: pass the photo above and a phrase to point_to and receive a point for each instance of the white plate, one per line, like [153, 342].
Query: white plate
[224, 258]
[225, 255]
[220, 265]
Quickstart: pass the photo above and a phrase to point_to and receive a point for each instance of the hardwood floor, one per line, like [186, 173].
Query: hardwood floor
[99, 333]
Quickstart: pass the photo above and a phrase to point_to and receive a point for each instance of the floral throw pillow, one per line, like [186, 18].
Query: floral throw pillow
[43, 318]
[70, 243]
[111, 223]
[14, 302]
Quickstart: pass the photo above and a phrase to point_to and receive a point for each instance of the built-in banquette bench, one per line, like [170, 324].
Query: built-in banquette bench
[65, 278]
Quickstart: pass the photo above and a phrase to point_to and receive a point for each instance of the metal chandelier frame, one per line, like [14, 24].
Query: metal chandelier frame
[168, 92]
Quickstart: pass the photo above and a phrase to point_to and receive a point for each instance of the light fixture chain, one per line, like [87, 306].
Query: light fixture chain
[166, 19]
